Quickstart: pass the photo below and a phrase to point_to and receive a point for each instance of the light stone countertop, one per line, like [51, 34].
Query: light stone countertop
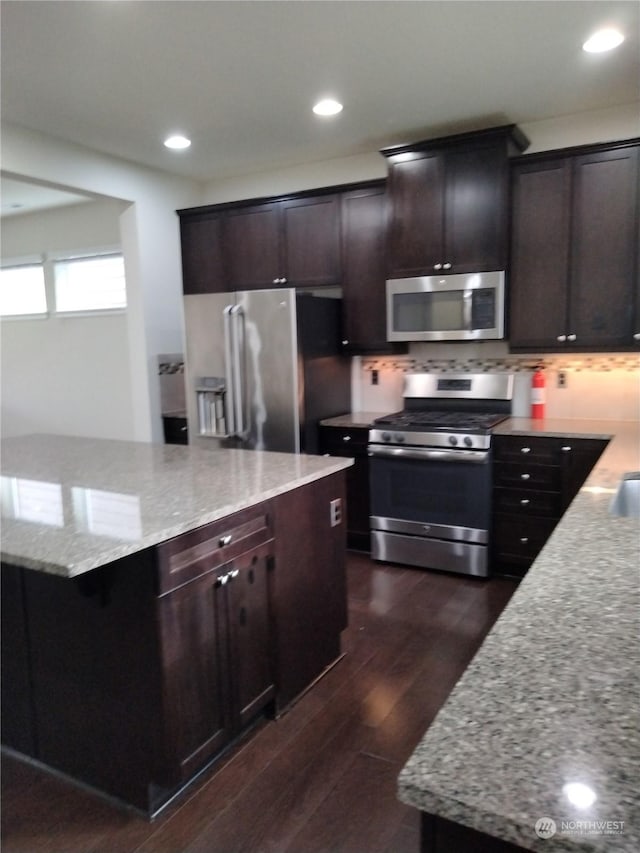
[353, 419]
[553, 695]
[72, 504]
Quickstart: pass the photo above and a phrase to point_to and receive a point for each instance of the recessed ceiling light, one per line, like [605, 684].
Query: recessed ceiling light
[327, 107]
[177, 142]
[603, 40]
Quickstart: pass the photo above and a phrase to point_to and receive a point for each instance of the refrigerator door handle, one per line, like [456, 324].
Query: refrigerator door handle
[228, 370]
[237, 344]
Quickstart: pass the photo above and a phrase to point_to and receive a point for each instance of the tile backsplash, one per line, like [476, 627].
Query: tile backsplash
[604, 386]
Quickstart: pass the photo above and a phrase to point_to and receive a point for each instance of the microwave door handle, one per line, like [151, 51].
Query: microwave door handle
[228, 370]
[467, 310]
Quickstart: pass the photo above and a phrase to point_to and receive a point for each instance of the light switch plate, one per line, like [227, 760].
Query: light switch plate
[335, 512]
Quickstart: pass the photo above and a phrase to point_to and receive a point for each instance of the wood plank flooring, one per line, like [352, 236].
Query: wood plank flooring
[322, 779]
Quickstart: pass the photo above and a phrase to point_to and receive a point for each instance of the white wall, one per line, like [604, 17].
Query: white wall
[66, 375]
[149, 235]
[565, 131]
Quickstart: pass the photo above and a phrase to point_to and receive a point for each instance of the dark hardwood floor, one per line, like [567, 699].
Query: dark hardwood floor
[321, 779]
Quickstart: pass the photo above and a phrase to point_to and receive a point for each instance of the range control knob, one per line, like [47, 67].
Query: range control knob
[468, 441]
[399, 437]
[453, 440]
[386, 436]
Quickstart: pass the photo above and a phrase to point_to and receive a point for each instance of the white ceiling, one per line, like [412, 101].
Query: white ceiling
[239, 78]
[19, 197]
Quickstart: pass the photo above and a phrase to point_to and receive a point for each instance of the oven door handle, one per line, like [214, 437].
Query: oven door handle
[428, 454]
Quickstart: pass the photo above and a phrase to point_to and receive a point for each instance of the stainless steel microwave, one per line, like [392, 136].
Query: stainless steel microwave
[464, 307]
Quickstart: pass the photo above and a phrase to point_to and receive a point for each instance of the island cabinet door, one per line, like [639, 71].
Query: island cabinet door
[215, 639]
[249, 622]
[194, 653]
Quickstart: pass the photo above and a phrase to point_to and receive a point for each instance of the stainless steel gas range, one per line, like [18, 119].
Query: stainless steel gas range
[430, 472]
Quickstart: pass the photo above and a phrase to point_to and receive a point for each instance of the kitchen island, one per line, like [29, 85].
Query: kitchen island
[158, 599]
[552, 698]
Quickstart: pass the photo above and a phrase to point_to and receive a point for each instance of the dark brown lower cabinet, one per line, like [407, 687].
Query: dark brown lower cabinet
[216, 632]
[352, 442]
[438, 835]
[134, 676]
[535, 479]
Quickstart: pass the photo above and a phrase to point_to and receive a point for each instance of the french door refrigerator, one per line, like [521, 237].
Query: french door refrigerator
[262, 368]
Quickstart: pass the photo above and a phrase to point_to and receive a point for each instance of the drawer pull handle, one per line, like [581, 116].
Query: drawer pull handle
[525, 450]
[566, 448]
[525, 476]
[234, 574]
[346, 438]
[222, 580]
[524, 539]
[225, 540]
[524, 502]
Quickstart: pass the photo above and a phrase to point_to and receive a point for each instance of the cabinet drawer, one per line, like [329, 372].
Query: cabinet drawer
[344, 440]
[519, 537]
[523, 475]
[533, 449]
[188, 556]
[528, 503]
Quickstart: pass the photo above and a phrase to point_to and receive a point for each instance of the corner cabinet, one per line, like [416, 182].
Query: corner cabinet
[535, 479]
[449, 203]
[574, 250]
[201, 240]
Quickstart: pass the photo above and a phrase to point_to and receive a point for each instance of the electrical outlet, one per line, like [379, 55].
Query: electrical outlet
[374, 377]
[335, 512]
[562, 379]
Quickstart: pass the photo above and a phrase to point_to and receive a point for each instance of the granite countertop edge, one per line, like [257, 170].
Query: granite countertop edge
[589, 562]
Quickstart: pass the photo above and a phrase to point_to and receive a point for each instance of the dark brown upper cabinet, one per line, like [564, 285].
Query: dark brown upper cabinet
[449, 203]
[292, 242]
[202, 256]
[364, 220]
[574, 250]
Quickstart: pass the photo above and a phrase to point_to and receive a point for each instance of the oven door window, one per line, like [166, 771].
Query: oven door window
[456, 494]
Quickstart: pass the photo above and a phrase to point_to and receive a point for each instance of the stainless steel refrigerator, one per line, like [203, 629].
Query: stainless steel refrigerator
[262, 368]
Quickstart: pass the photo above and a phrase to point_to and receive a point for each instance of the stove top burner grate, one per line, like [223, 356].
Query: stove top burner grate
[468, 421]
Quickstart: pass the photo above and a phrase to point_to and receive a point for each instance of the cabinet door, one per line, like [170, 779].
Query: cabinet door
[202, 255]
[249, 620]
[363, 270]
[416, 190]
[604, 248]
[311, 241]
[539, 254]
[476, 209]
[252, 242]
[195, 651]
